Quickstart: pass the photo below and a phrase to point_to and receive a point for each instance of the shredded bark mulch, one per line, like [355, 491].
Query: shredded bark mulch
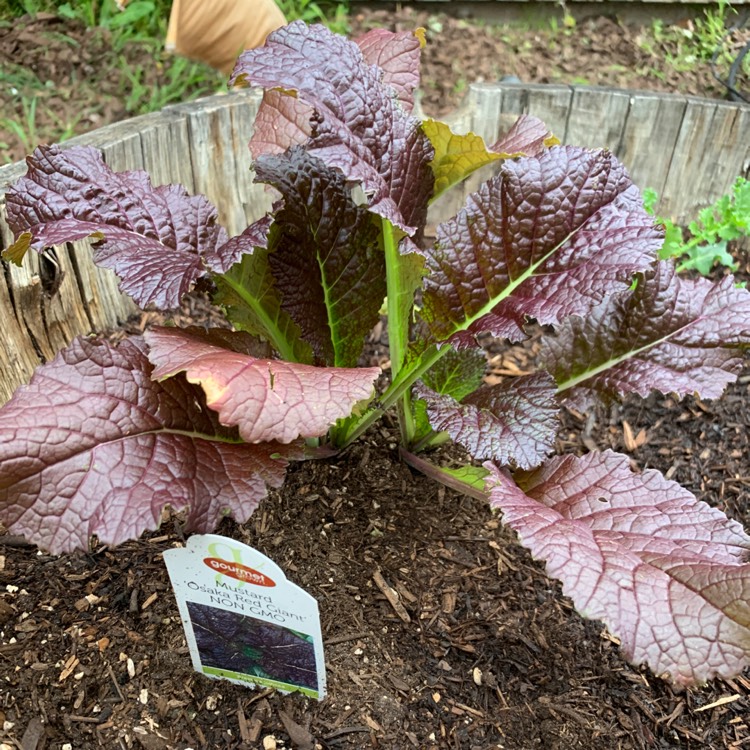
[483, 651]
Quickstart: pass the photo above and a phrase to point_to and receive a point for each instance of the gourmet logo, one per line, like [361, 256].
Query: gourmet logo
[238, 571]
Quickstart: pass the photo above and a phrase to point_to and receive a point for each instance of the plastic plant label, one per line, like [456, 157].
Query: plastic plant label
[244, 621]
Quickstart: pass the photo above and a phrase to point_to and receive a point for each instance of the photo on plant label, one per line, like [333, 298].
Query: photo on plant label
[234, 642]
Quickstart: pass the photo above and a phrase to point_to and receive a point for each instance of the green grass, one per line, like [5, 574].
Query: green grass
[142, 24]
[183, 80]
[685, 46]
[335, 15]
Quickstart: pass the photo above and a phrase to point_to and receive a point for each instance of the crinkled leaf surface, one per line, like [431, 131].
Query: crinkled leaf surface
[457, 156]
[397, 54]
[232, 251]
[548, 237]
[94, 446]
[358, 125]
[457, 373]
[512, 422]
[268, 400]
[669, 334]
[528, 136]
[158, 240]
[325, 258]
[283, 120]
[252, 303]
[668, 575]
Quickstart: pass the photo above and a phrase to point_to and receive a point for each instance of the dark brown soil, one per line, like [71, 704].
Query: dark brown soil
[598, 51]
[60, 78]
[79, 82]
[489, 654]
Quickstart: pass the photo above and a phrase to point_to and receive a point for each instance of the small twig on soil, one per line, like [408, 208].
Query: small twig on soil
[116, 684]
[467, 538]
[392, 596]
[14, 540]
[345, 638]
[346, 730]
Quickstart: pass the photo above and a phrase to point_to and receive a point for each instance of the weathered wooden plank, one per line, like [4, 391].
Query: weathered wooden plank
[18, 355]
[687, 177]
[551, 104]
[731, 132]
[514, 102]
[166, 149]
[650, 136]
[59, 296]
[125, 152]
[597, 117]
[255, 199]
[215, 168]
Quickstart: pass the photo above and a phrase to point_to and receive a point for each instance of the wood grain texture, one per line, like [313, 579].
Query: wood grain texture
[53, 298]
[689, 150]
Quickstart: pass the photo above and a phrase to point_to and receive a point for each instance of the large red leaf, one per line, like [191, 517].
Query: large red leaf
[669, 334]
[548, 237]
[283, 121]
[94, 446]
[357, 125]
[397, 54]
[669, 575]
[328, 267]
[513, 422]
[158, 240]
[268, 400]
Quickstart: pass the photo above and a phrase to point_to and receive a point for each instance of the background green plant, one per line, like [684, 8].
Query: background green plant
[685, 46]
[143, 24]
[705, 242]
[335, 15]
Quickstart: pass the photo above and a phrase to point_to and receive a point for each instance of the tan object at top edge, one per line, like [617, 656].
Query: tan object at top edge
[216, 31]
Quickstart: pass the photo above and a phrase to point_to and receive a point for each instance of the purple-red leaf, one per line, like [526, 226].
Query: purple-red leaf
[358, 126]
[283, 120]
[548, 237]
[94, 446]
[669, 334]
[512, 422]
[231, 252]
[266, 399]
[324, 256]
[668, 574]
[157, 240]
[397, 54]
[528, 136]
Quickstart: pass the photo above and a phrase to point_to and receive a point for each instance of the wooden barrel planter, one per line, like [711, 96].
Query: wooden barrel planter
[689, 150]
